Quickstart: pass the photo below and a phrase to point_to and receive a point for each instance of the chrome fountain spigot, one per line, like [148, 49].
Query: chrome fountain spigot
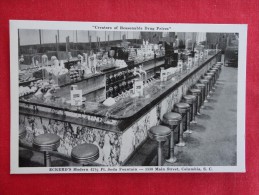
[141, 71]
[135, 73]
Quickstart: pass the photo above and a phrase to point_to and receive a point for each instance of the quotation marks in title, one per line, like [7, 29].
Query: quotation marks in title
[145, 28]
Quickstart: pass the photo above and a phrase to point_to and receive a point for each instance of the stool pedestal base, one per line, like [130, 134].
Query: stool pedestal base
[193, 122]
[159, 153]
[181, 144]
[171, 160]
[46, 159]
[188, 131]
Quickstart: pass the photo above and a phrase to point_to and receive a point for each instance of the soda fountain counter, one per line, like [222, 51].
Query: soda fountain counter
[118, 130]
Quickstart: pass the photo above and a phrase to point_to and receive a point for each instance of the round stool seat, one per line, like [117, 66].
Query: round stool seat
[210, 73]
[217, 67]
[195, 91]
[200, 85]
[204, 81]
[182, 107]
[213, 71]
[172, 118]
[22, 133]
[208, 77]
[46, 142]
[159, 133]
[189, 99]
[85, 153]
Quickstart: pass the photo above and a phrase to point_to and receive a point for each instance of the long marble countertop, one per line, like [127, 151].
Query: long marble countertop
[128, 108]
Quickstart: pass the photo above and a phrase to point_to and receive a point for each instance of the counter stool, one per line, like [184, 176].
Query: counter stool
[46, 143]
[174, 121]
[85, 153]
[192, 101]
[213, 75]
[215, 72]
[216, 66]
[206, 83]
[219, 66]
[202, 88]
[159, 133]
[198, 94]
[209, 78]
[184, 110]
[22, 133]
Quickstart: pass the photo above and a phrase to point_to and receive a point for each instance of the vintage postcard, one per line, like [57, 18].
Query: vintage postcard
[103, 97]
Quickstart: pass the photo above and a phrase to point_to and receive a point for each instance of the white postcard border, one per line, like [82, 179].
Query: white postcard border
[223, 28]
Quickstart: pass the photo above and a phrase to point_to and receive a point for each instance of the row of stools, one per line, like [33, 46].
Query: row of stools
[48, 142]
[178, 121]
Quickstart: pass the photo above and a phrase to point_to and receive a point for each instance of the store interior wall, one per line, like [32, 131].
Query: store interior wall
[32, 36]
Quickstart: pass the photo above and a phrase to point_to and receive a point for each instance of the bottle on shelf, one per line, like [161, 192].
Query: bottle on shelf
[109, 92]
[131, 84]
[118, 76]
[112, 92]
[122, 75]
[112, 79]
[123, 86]
[127, 85]
[128, 73]
[115, 76]
[116, 90]
[108, 81]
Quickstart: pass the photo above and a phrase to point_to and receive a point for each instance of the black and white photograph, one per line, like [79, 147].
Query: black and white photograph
[91, 97]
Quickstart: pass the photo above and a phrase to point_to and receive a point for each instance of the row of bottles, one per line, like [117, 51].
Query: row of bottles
[120, 88]
[125, 86]
[120, 76]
